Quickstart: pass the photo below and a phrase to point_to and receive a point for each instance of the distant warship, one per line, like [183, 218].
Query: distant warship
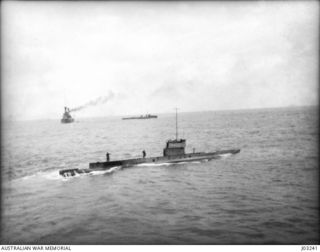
[174, 152]
[147, 116]
[66, 117]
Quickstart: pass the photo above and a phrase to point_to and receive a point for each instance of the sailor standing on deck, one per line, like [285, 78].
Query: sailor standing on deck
[143, 153]
[108, 156]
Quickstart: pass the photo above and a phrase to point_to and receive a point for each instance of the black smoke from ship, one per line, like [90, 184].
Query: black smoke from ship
[100, 100]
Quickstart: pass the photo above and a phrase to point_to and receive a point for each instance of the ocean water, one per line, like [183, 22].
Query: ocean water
[266, 194]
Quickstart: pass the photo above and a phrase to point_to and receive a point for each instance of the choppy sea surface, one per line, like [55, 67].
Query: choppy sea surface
[266, 194]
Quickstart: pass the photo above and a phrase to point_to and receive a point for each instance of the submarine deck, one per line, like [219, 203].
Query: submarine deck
[188, 157]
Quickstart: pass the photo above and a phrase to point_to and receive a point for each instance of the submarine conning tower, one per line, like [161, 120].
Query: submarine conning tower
[174, 147]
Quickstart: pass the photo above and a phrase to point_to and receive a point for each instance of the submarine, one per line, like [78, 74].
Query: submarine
[174, 152]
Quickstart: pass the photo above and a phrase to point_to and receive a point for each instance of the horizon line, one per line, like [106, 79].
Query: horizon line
[164, 113]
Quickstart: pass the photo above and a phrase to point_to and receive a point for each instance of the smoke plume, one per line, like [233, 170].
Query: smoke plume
[100, 100]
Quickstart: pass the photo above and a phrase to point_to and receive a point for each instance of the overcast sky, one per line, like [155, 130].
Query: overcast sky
[155, 56]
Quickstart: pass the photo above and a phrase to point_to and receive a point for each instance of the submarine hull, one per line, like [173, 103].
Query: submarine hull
[188, 157]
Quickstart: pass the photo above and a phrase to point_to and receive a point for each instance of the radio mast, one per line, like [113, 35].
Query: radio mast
[176, 123]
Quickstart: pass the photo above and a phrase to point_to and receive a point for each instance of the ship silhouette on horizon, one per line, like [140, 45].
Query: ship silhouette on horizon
[147, 116]
[66, 117]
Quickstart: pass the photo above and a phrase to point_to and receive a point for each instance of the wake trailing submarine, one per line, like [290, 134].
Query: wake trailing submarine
[66, 117]
[174, 152]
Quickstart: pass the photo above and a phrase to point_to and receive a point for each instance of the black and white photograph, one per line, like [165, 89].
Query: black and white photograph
[160, 122]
